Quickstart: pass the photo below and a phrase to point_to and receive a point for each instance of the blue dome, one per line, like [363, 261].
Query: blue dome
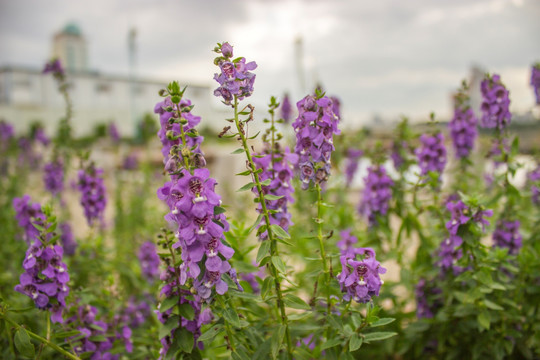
[72, 29]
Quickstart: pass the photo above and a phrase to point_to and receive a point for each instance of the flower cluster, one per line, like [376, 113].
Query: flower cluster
[45, 278]
[201, 316]
[68, 240]
[170, 130]
[346, 244]
[397, 156]
[113, 132]
[315, 127]
[286, 109]
[40, 136]
[236, 78]
[506, 235]
[425, 306]
[54, 66]
[149, 260]
[6, 134]
[377, 193]
[360, 279]
[534, 178]
[26, 214]
[495, 104]
[353, 155]
[93, 193]
[53, 177]
[135, 313]
[130, 162]
[463, 125]
[450, 249]
[535, 81]
[98, 337]
[432, 154]
[280, 173]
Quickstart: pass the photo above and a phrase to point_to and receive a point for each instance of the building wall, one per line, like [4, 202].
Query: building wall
[27, 95]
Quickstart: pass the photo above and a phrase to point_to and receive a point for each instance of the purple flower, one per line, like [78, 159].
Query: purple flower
[360, 279]
[53, 177]
[315, 127]
[54, 66]
[346, 244]
[149, 261]
[432, 154]
[93, 193]
[397, 155]
[353, 156]
[425, 306]
[336, 106]
[506, 235]
[40, 136]
[130, 162]
[286, 109]
[6, 134]
[68, 241]
[113, 132]
[45, 278]
[280, 173]
[463, 125]
[534, 179]
[377, 194]
[236, 78]
[535, 81]
[27, 213]
[495, 104]
[449, 253]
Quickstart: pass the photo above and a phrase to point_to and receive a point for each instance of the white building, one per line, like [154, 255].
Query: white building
[27, 95]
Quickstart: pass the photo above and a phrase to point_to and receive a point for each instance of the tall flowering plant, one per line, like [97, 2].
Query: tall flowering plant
[535, 81]
[463, 124]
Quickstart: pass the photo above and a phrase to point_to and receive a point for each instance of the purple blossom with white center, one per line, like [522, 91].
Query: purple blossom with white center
[463, 125]
[360, 279]
[53, 177]
[166, 112]
[535, 81]
[27, 213]
[315, 127]
[68, 240]
[280, 173]
[506, 235]
[449, 253]
[377, 194]
[336, 106]
[353, 157]
[236, 78]
[45, 278]
[286, 109]
[495, 104]
[93, 193]
[149, 261]
[426, 307]
[113, 132]
[534, 179]
[432, 154]
[457, 210]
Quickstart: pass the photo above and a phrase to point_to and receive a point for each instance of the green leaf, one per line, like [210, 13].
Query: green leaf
[264, 249]
[483, 320]
[219, 210]
[230, 315]
[167, 304]
[23, 344]
[246, 187]
[238, 151]
[65, 334]
[169, 325]
[98, 338]
[382, 321]
[211, 333]
[244, 173]
[272, 197]
[278, 231]
[493, 306]
[378, 336]
[185, 339]
[355, 342]
[331, 343]
[266, 182]
[278, 263]
[186, 311]
[295, 302]
[277, 339]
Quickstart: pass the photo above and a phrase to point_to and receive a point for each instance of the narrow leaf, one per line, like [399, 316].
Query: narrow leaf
[278, 263]
[355, 342]
[211, 333]
[23, 344]
[295, 302]
[382, 321]
[263, 250]
[278, 231]
[378, 336]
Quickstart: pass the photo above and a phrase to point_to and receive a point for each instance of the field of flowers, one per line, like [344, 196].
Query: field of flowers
[142, 256]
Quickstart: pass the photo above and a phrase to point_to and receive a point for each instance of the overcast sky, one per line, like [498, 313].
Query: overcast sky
[386, 57]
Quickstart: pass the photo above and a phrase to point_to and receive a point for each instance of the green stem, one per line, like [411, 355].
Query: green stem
[44, 341]
[319, 222]
[227, 327]
[273, 243]
[177, 273]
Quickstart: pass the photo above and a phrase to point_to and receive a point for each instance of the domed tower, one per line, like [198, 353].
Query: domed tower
[69, 45]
